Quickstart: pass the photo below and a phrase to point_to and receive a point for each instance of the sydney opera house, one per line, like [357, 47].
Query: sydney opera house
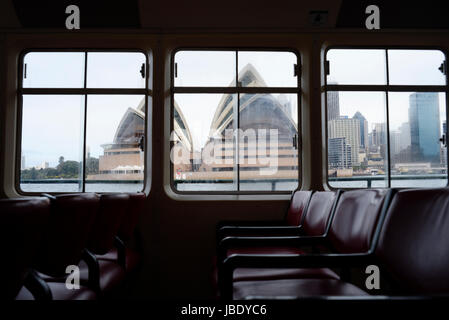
[267, 140]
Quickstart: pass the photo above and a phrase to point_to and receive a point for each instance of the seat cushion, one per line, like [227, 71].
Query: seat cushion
[355, 219]
[250, 274]
[60, 292]
[133, 258]
[112, 275]
[24, 294]
[413, 245]
[318, 214]
[110, 213]
[265, 250]
[298, 206]
[294, 288]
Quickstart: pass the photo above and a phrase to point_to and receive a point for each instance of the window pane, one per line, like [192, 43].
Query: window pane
[115, 70]
[52, 143]
[267, 69]
[115, 125]
[416, 67]
[417, 121]
[356, 66]
[268, 159]
[205, 68]
[203, 144]
[357, 139]
[54, 70]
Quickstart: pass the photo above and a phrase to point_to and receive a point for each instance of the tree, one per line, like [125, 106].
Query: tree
[92, 165]
[69, 169]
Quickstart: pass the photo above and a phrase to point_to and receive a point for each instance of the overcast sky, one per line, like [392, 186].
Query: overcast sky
[52, 124]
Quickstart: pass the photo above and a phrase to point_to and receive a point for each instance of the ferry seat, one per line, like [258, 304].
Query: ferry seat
[290, 225]
[124, 252]
[23, 222]
[65, 237]
[316, 224]
[357, 218]
[109, 274]
[413, 246]
[410, 252]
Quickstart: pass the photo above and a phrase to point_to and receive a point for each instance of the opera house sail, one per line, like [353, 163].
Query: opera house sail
[264, 127]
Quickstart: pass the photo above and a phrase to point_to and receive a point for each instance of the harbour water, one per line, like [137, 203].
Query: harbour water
[253, 186]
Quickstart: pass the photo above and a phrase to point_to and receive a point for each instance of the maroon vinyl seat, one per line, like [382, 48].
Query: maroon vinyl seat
[21, 228]
[294, 218]
[413, 245]
[294, 288]
[65, 237]
[125, 234]
[356, 218]
[101, 242]
[288, 226]
[316, 223]
[410, 251]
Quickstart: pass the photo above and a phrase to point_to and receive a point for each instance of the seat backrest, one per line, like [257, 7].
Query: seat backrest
[22, 224]
[319, 210]
[136, 205]
[413, 245]
[107, 222]
[298, 207]
[71, 218]
[356, 219]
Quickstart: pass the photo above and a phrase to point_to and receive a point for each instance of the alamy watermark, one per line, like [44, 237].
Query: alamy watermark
[72, 281]
[373, 280]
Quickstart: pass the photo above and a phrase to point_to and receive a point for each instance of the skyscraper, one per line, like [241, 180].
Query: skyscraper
[404, 130]
[424, 119]
[339, 154]
[333, 105]
[363, 129]
[395, 142]
[349, 129]
[379, 135]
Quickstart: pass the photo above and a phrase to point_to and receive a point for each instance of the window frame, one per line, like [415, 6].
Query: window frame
[146, 92]
[236, 90]
[386, 88]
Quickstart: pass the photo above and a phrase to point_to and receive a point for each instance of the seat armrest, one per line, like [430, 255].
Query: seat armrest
[93, 268]
[38, 287]
[333, 260]
[246, 223]
[49, 196]
[121, 251]
[292, 241]
[228, 231]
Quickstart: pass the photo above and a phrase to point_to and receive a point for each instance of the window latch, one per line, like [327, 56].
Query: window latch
[295, 142]
[443, 140]
[443, 67]
[296, 70]
[24, 70]
[142, 143]
[176, 70]
[326, 67]
[142, 70]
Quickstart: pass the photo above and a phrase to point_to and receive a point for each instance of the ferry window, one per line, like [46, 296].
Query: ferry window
[53, 70]
[386, 131]
[235, 121]
[88, 137]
